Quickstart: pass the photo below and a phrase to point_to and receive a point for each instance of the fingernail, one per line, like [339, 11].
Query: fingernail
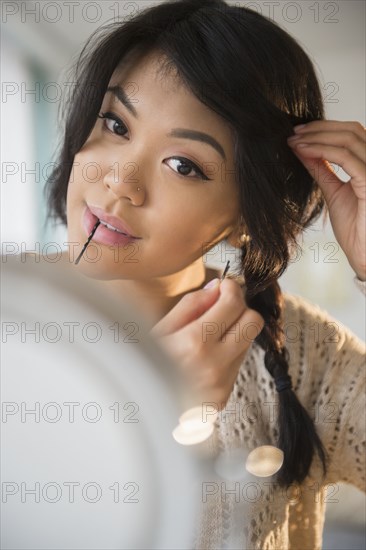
[212, 284]
[299, 127]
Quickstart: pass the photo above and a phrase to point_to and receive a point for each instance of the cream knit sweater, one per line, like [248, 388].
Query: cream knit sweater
[327, 366]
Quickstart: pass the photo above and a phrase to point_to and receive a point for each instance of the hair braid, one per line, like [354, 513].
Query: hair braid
[298, 438]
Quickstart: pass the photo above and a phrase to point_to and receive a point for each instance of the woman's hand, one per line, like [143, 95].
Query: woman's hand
[208, 334]
[343, 143]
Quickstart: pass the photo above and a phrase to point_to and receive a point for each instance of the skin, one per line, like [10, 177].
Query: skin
[178, 217]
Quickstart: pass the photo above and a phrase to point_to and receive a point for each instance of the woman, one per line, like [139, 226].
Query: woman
[196, 122]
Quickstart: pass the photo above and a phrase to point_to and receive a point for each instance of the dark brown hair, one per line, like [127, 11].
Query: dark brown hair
[258, 79]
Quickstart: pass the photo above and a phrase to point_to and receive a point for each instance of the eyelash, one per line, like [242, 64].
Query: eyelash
[200, 174]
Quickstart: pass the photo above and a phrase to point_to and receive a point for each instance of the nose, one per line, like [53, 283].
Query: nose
[122, 180]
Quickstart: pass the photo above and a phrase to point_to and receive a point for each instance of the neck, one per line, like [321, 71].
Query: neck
[155, 297]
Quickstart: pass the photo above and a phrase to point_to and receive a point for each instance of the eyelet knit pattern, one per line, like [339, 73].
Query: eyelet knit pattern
[327, 367]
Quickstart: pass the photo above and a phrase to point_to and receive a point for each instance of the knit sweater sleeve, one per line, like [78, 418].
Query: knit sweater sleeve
[332, 388]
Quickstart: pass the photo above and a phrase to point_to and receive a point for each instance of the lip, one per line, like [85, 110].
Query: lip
[103, 235]
[112, 220]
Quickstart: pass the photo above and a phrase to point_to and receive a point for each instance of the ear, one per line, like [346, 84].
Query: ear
[236, 234]
[233, 238]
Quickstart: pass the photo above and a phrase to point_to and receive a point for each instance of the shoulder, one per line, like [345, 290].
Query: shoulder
[327, 362]
[301, 315]
[326, 357]
[322, 350]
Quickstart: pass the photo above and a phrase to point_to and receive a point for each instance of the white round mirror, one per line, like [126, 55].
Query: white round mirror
[89, 404]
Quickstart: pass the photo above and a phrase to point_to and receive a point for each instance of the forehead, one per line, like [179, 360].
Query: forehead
[153, 81]
[146, 67]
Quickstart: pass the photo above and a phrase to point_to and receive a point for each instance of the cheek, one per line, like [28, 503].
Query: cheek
[192, 222]
[84, 172]
[75, 195]
[72, 188]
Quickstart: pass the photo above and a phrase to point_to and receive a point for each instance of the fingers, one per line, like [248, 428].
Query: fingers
[344, 139]
[229, 321]
[219, 320]
[333, 126]
[188, 309]
[229, 306]
[238, 337]
[319, 143]
[344, 158]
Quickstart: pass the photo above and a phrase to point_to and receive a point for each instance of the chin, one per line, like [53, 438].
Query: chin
[95, 270]
[100, 270]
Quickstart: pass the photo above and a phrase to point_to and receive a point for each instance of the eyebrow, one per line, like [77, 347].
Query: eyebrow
[195, 135]
[121, 95]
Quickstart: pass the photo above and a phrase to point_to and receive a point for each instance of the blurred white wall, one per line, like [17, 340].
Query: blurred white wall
[18, 194]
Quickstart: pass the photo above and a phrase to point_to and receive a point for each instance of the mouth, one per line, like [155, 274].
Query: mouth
[111, 230]
[111, 222]
[109, 226]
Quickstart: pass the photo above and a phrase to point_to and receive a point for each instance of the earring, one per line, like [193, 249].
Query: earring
[244, 239]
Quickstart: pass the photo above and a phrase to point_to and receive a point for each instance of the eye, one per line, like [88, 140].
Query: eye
[118, 128]
[186, 166]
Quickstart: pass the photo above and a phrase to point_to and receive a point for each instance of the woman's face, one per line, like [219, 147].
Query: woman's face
[177, 214]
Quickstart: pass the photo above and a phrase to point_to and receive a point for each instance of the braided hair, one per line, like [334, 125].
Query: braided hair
[255, 76]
